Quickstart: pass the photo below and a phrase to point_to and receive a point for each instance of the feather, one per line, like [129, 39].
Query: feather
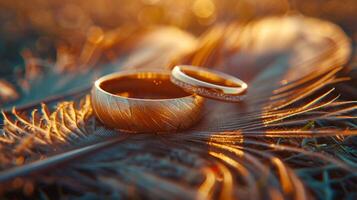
[275, 144]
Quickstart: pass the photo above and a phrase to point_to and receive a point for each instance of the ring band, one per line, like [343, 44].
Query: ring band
[208, 83]
[136, 102]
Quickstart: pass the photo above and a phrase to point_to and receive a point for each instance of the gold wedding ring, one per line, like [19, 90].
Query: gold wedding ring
[208, 83]
[136, 102]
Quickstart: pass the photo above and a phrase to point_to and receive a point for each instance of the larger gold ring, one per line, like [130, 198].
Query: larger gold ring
[144, 102]
[208, 83]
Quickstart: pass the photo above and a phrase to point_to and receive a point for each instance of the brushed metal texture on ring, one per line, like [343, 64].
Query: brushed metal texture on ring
[139, 102]
[208, 83]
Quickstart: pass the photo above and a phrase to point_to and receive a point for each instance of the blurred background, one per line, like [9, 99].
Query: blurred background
[41, 24]
[57, 30]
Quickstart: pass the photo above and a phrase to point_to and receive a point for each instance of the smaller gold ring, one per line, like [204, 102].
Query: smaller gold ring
[208, 83]
[143, 101]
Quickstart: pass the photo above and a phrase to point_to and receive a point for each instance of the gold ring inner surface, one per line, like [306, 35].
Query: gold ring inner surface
[144, 85]
[210, 77]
